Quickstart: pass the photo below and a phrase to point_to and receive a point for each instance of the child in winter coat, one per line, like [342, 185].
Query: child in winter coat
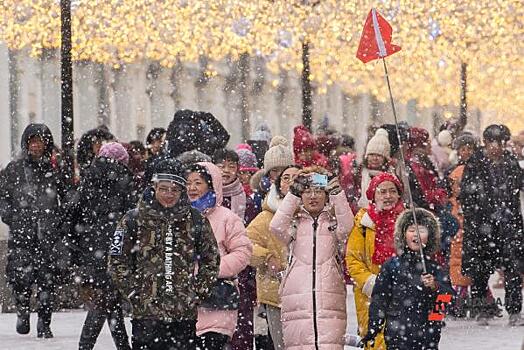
[404, 298]
[313, 220]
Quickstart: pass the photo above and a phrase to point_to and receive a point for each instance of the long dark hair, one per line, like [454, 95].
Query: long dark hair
[278, 181]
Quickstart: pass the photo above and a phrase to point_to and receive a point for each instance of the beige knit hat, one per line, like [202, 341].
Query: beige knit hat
[279, 154]
[379, 144]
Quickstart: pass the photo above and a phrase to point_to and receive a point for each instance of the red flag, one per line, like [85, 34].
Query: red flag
[375, 41]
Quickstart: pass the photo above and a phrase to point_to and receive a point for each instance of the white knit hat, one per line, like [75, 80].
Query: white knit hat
[445, 138]
[279, 154]
[379, 144]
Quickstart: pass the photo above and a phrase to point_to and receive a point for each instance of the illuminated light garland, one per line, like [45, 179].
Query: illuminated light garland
[436, 36]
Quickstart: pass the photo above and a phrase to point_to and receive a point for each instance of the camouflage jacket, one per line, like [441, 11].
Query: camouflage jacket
[164, 263]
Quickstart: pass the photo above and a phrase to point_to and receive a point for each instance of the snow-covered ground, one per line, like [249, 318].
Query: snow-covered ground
[463, 335]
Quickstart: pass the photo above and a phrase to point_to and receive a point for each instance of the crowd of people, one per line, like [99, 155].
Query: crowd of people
[209, 247]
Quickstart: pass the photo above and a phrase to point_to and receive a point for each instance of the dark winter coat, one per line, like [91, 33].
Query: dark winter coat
[162, 263]
[106, 193]
[493, 229]
[31, 193]
[400, 300]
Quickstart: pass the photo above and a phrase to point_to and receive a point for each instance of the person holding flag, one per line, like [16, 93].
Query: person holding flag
[404, 298]
[408, 285]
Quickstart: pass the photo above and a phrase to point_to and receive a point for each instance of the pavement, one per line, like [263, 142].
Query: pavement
[66, 326]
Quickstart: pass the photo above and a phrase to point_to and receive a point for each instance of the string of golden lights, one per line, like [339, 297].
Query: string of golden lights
[436, 37]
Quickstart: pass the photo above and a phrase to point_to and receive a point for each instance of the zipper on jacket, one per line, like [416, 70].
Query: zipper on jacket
[314, 285]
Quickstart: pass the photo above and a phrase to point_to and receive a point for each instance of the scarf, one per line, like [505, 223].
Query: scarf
[235, 195]
[273, 199]
[207, 201]
[247, 189]
[367, 175]
[384, 231]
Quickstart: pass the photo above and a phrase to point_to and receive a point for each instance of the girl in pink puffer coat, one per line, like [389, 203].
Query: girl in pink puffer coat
[204, 186]
[314, 221]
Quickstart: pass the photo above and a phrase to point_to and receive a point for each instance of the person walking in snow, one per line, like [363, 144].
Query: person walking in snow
[371, 243]
[269, 254]
[89, 145]
[106, 193]
[305, 149]
[376, 160]
[218, 315]
[403, 297]
[237, 200]
[313, 219]
[493, 228]
[164, 260]
[423, 177]
[31, 195]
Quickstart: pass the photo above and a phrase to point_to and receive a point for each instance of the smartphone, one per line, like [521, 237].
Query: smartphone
[319, 180]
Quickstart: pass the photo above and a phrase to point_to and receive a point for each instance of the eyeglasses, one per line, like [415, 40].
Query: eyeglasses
[169, 190]
[313, 192]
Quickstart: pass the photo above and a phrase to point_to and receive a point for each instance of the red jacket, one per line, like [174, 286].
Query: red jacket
[424, 183]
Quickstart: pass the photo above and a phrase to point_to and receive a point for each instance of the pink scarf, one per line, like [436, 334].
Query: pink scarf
[234, 192]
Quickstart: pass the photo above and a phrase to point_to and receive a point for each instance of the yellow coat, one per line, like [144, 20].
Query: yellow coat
[360, 248]
[265, 246]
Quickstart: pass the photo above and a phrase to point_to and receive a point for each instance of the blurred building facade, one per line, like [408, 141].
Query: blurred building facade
[134, 98]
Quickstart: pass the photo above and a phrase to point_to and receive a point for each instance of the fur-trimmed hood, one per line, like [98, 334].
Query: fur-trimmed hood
[424, 218]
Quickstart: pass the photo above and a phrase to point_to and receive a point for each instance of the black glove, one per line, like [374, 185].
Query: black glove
[368, 338]
[298, 186]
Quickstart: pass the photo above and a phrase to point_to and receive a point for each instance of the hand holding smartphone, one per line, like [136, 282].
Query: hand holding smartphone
[319, 180]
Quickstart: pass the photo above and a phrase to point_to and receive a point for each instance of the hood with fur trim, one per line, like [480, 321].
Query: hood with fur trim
[424, 218]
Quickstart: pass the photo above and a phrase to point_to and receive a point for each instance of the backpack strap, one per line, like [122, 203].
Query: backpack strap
[132, 221]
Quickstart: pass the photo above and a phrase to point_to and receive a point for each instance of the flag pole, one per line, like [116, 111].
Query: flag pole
[404, 168]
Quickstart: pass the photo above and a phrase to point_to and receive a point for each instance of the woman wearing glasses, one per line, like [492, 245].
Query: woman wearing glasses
[269, 254]
[313, 221]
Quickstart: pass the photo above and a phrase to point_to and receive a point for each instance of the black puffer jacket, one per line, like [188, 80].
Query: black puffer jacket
[31, 194]
[106, 193]
[400, 300]
[493, 228]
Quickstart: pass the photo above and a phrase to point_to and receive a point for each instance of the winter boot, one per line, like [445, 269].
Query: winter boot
[22, 322]
[43, 326]
[494, 310]
[482, 319]
[515, 320]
